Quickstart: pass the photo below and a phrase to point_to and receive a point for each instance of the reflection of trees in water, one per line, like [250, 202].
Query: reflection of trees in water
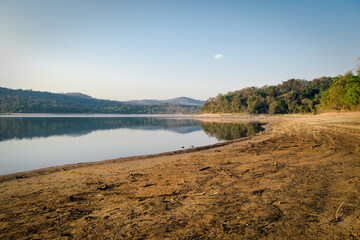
[30, 127]
[230, 131]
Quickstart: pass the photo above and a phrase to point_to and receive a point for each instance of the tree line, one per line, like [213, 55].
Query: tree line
[27, 101]
[292, 96]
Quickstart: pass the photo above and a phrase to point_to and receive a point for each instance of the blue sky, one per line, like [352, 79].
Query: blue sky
[157, 49]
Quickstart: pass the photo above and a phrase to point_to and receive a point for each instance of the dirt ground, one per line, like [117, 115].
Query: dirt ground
[300, 179]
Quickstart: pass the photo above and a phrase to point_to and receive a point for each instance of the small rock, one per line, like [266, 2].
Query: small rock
[225, 163]
[258, 192]
[88, 218]
[104, 187]
[19, 177]
[149, 185]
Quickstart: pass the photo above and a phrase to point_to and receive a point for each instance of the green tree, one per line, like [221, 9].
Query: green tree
[277, 107]
[344, 93]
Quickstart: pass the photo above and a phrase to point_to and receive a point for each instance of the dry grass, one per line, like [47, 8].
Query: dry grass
[329, 130]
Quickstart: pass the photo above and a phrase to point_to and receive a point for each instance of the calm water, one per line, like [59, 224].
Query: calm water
[37, 141]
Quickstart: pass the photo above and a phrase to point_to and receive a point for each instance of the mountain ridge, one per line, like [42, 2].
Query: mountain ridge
[178, 100]
[78, 94]
[29, 101]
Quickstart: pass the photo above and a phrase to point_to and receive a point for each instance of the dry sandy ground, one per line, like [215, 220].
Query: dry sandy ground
[298, 180]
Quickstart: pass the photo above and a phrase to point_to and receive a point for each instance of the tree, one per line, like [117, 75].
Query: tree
[277, 107]
[344, 93]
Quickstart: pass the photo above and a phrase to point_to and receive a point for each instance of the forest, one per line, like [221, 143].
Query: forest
[28, 101]
[293, 96]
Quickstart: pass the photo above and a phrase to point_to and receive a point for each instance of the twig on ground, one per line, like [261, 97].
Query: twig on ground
[337, 218]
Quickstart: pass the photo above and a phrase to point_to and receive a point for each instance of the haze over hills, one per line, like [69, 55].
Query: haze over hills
[28, 101]
[179, 100]
[77, 94]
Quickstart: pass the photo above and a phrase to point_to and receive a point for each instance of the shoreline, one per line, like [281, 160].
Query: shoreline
[218, 117]
[205, 118]
[47, 170]
[299, 177]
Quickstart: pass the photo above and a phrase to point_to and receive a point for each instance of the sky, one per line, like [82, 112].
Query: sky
[162, 49]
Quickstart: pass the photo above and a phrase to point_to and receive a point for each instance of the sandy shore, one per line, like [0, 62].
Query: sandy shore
[298, 180]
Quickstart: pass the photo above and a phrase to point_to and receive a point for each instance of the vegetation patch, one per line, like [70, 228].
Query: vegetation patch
[292, 96]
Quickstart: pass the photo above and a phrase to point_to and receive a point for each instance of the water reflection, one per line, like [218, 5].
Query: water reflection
[31, 127]
[231, 131]
[28, 143]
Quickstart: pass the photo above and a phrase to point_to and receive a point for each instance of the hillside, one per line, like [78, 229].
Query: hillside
[179, 100]
[77, 94]
[28, 101]
[292, 96]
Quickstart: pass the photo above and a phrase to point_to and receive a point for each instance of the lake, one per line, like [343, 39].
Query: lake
[29, 142]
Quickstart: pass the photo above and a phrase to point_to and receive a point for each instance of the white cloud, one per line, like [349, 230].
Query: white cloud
[218, 56]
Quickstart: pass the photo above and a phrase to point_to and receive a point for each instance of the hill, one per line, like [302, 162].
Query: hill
[28, 101]
[179, 100]
[186, 101]
[77, 94]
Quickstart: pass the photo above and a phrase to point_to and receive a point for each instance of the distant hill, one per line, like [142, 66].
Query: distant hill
[77, 94]
[28, 101]
[185, 101]
[179, 100]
